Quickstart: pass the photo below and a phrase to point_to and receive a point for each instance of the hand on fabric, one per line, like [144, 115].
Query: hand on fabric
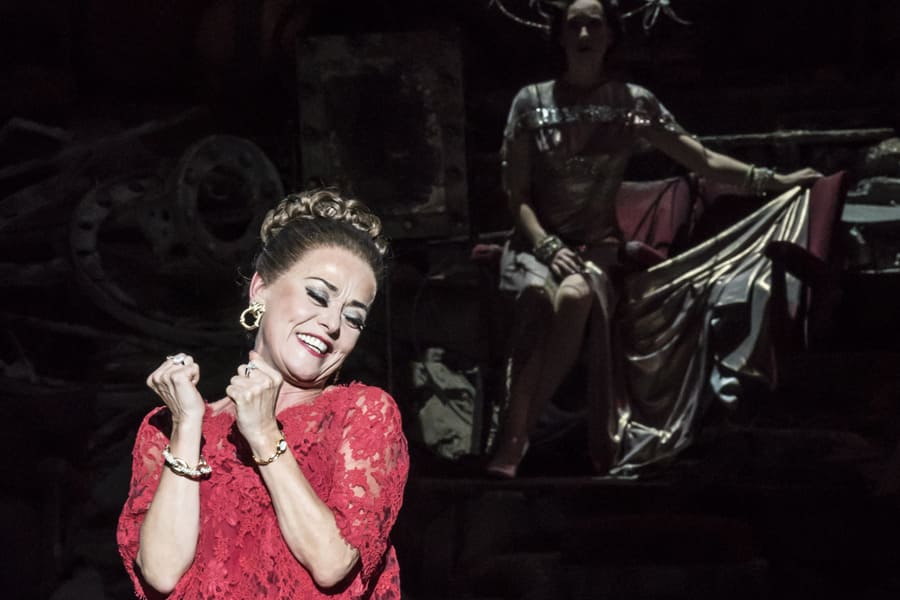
[175, 382]
[804, 178]
[254, 391]
[566, 262]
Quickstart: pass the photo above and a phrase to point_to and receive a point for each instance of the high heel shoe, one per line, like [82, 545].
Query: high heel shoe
[505, 462]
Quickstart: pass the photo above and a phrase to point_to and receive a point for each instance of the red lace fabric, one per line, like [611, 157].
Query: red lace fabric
[350, 446]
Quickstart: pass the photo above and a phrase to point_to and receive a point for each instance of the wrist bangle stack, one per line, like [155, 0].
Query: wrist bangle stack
[280, 448]
[547, 248]
[758, 180]
[179, 466]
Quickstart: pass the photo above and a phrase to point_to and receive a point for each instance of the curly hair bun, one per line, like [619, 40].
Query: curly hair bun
[322, 204]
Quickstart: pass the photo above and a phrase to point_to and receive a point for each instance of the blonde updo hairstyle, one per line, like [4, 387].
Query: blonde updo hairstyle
[316, 219]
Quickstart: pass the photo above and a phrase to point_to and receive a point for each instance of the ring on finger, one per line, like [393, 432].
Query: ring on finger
[178, 359]
[249, 368]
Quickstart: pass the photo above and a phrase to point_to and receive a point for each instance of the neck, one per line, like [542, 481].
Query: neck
[584, 75]
[291, 395]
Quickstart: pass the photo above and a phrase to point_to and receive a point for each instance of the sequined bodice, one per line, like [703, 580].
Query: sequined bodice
[575, 149]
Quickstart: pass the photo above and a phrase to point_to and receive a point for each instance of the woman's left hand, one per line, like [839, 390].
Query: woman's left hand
[254, 391]
[804, 178]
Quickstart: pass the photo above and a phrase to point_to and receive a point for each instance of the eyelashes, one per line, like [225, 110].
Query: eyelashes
[321, 299]
[317, 297]
[355, 322]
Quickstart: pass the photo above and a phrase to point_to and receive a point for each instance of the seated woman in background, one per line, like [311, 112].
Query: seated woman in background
[566, 146]
[289, 485]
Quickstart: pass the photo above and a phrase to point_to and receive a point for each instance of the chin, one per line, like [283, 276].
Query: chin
[305, 382]
[311, 377]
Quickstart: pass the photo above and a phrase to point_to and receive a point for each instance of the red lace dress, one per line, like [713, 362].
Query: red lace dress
[350, 446]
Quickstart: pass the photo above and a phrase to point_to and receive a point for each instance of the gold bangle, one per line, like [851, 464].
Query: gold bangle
[280, 448]
[179, 466]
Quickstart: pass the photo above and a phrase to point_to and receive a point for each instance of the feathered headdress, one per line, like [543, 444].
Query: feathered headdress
[650, 9]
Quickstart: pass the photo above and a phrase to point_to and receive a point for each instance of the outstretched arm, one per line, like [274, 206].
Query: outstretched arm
[689, 152]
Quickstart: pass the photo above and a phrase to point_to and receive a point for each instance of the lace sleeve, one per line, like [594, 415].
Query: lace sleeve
[146, 467]
[368, 489]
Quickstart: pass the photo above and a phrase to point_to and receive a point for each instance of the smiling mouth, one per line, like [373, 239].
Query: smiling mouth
[316, 345]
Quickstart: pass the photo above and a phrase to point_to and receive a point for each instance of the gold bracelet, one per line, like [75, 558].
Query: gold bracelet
[280, 448]
[179, 466]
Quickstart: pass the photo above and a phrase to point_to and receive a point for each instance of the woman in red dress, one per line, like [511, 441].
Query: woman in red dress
[288, 486]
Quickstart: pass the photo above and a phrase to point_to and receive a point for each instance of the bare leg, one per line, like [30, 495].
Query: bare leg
[534, 312]
[572, 306]
[549, 362]
[602, 389]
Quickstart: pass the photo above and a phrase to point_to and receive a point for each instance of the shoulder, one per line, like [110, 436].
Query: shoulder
[158, 420]
[638, 92]
[529, 96]
[360, 394]
[368, 403]
[542, 87]
[154, 430]
[643, 100]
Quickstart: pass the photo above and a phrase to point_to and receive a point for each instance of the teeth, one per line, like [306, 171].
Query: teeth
[315, 342]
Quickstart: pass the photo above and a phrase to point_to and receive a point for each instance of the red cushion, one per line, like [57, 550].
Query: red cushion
[653, 212]
[486, 253]
[826, 203]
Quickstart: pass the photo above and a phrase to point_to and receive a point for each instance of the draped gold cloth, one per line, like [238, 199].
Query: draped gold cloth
[690, 331]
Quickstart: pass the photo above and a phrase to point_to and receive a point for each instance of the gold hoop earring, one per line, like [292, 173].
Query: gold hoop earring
[252, 315]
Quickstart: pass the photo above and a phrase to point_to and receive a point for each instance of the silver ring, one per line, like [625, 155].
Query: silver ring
[249, 369]
[178, 359]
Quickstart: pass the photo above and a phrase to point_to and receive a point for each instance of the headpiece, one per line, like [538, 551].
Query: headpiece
[651, 10]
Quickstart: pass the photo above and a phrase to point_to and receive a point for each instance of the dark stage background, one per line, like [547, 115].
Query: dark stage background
[140, 143]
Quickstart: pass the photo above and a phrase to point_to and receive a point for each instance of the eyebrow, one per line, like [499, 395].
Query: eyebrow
[333, 288]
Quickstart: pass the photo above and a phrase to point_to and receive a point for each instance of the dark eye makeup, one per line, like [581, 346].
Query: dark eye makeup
[317, 296]
[356, 322]
[321, 298]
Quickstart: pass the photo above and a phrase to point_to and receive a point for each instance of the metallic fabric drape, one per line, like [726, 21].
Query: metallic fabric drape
[689, 332]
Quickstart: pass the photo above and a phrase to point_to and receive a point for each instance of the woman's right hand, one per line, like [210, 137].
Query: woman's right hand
[175, 382]
[804, 178]
[566, 262]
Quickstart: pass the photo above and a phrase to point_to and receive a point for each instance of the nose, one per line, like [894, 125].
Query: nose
[583, 32]
[330, 320]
